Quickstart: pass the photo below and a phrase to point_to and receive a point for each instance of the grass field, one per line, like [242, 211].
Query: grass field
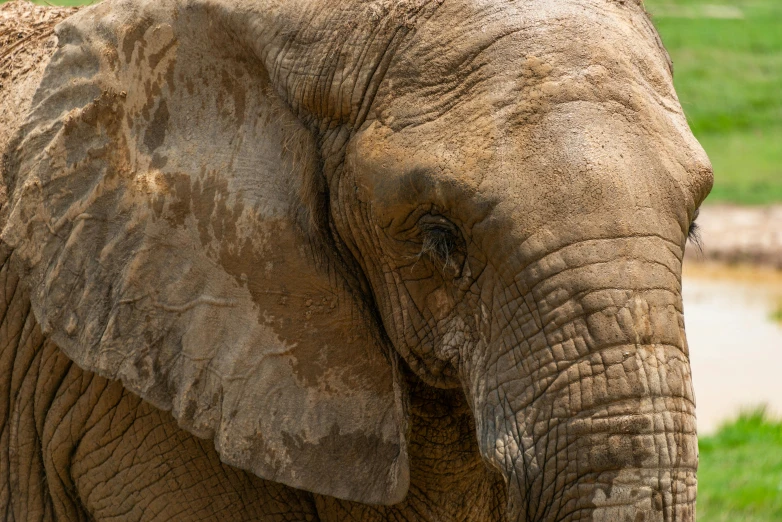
[740, 473]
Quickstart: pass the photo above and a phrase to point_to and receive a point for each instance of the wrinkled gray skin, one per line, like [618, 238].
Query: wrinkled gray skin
[377, 260]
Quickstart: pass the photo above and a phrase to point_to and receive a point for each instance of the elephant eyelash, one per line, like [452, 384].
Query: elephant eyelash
[694, 232]
[440, 243]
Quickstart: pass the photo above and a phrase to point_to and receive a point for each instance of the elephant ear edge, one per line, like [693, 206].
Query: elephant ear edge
[154, 220]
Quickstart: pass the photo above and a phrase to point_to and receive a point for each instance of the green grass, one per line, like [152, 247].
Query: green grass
[728, 73]
[740, 472]
[776, 315]
[747, 165]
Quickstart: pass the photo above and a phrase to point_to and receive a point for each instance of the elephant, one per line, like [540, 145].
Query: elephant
[377, 260]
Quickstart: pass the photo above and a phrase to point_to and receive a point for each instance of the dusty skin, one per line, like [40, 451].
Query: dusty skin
[409, 260]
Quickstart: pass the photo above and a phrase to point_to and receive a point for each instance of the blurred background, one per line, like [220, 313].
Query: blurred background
[727, 58]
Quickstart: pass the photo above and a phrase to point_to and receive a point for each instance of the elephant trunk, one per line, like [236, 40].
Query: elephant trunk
[591, 415]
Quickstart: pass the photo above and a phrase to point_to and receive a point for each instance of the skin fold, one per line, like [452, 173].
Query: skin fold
[410, 260]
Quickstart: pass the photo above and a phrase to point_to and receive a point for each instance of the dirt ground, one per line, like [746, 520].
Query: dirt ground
[745, 235]
[24, 29]
[26, 41]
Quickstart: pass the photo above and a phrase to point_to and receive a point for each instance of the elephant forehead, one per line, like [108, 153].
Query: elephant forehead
[508, 59]
[575, 160]
[549, 108]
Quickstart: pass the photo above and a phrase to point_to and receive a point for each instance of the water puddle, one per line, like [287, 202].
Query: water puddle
[735, 347]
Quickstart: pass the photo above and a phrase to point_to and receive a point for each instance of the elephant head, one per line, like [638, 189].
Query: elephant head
[257, 214]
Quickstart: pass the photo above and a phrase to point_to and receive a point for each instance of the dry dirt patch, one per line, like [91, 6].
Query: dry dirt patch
[24, 30]
[734, 234]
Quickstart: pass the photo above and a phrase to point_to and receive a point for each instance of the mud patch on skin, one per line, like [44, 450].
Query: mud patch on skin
[179, 206]
[105, 113]
[209, 193]
[626, 500]
[132, 37]
[155, 134]
[234, 87]
[155, 73]
[304, 312]
[158, 161]
[162, 37]
[359, 444]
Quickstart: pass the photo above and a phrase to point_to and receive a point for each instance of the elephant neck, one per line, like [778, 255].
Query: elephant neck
[444, 455]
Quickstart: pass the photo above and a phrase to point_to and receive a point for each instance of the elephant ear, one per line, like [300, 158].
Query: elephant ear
[157, 188]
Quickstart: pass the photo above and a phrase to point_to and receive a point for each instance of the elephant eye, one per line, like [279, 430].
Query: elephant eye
[693, 234]
[441, 243]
